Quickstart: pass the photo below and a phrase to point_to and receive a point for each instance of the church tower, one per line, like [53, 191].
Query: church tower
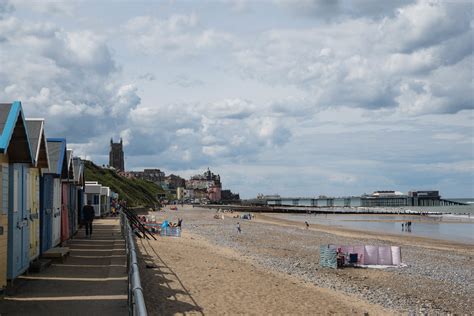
[116, 155]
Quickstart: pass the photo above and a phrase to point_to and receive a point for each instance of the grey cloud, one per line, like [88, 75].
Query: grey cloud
[396, 62]
[147, 76]
[185, 81]
[5, 8]
[425, 24]
[339, 9]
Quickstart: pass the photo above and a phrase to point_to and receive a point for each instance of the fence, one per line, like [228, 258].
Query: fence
[136, 302]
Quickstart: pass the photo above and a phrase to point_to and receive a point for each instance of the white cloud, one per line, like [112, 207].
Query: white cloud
[178, 35]
[70, 75]
[351, 97]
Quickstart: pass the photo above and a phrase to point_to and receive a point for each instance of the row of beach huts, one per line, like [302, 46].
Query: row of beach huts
[42, 192]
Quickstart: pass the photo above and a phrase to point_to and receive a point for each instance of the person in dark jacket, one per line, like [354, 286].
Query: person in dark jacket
[89, 214]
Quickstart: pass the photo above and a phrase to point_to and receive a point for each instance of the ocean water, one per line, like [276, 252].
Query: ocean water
[450, 228]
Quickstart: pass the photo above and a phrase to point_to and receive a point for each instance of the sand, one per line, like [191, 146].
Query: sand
[272, 268]
[194, 277]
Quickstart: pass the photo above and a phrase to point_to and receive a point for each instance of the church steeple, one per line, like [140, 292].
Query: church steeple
[116, 155]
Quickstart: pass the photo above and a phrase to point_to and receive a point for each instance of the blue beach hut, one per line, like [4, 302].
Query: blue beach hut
[14, 143]
[39, 151]
[57, 171]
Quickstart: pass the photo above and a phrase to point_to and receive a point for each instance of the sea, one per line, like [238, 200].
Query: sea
[449, 227]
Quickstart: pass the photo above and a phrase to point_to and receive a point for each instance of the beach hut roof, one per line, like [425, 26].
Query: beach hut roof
[39, 147]
[78, 166]
[57, 157]
[70, 167]
[14, 139]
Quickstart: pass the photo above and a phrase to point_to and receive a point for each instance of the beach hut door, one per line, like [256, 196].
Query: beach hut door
[18, 243]
[47, 213]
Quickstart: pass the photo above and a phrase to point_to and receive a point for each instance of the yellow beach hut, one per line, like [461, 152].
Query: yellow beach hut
[39, 152]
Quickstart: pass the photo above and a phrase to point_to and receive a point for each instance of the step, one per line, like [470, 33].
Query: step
[39, 265]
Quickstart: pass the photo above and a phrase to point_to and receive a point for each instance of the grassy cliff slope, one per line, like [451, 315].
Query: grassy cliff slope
[135, 191]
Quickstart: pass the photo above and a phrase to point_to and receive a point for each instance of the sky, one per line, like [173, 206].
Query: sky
[297, 98]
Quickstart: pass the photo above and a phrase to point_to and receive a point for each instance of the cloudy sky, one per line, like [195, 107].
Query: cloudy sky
[299, 98]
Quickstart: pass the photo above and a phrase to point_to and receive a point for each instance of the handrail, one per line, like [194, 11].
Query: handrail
[136, 301]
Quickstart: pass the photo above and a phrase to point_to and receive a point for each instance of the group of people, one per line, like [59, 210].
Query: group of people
[178, 224]
[406, 226]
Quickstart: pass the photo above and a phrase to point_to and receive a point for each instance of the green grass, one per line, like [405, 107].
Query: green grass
[135, 191]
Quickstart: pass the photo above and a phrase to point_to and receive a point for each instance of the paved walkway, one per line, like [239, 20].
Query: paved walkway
[91, 281]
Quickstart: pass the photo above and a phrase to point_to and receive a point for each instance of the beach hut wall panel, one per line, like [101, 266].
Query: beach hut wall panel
[56, 227]
[46, 212]
[104, 201]
[64, 211]
[72, 209]
[78, 166]
[18, 220]
[3, 220]
[34, 200]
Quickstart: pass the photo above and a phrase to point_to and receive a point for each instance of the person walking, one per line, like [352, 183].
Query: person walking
[307, 224]
[239, 231]
[88, 214]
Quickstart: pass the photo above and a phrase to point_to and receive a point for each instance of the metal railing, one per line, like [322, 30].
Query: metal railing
[136, 302]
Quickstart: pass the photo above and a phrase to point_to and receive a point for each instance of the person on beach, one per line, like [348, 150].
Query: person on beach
[403, 227]
[307, 224]
[88, 213]
[239, 231]
[180, 221]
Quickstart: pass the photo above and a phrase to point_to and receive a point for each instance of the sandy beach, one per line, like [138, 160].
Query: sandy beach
[273, 268]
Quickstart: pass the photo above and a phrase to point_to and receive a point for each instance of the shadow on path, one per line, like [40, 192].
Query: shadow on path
[91, 281]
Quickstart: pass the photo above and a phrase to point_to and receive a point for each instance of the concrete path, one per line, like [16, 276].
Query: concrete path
[91, 281]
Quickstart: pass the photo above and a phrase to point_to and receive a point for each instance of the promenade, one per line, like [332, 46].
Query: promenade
[91, 281]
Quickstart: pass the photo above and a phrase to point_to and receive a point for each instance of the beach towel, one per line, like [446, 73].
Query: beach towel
[396, 255]
[371, 254]
[385, 255]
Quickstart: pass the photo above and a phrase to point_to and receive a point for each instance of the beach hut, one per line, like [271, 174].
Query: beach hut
[39, 150]
[71, 195]
[104, 201]
[65, 196]
[58, 170]
[16, 162]
[46, 210]
[79, 182]
[92, 191]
